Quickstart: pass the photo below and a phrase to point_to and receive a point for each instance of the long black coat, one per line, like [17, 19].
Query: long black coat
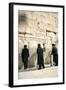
[55, 55]
[25, 55]
[40, 55]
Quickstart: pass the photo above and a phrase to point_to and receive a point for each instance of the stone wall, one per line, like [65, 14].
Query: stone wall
[34, 28]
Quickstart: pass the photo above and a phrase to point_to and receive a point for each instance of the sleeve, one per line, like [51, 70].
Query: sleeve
[22, 54]
[28, 53]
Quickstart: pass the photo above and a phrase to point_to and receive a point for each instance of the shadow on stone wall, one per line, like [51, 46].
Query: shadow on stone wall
[32, 60]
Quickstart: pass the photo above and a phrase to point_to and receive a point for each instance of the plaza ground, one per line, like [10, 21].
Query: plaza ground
[30, 73]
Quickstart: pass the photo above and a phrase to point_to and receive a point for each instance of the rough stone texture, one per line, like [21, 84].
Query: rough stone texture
[34, 28]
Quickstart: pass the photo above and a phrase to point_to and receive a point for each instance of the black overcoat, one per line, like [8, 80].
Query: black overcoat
[55, 55]
[25, 55]
[40, 59]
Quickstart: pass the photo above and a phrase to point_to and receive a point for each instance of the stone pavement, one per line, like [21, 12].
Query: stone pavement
[33, 73]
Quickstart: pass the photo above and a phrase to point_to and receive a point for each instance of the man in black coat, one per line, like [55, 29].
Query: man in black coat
[40, 57]
[25, 55]
[55, 54]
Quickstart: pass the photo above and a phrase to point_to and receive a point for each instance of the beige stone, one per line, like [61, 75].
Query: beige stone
[37, 27]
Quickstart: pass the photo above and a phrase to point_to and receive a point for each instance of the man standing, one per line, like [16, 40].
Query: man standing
[25, 55]
[55, 54]
[40, 56]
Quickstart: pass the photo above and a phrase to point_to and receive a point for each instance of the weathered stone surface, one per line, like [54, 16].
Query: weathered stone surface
[34, 28]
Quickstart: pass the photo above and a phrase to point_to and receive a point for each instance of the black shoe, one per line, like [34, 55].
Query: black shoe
[44, 67]
[39, 68]
[56, 65]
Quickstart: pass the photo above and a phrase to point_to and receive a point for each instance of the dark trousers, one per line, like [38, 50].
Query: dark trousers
[56, 63]
[25, 65]
[41, 64]
[55, 59]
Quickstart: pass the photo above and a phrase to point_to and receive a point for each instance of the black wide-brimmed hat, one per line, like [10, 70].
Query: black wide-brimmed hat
[39, 45]
[25, 46]
[53, 44]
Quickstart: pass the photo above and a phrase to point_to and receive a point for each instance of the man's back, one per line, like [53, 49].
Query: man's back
[54, 50]
[40, 51]
[25, 53]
